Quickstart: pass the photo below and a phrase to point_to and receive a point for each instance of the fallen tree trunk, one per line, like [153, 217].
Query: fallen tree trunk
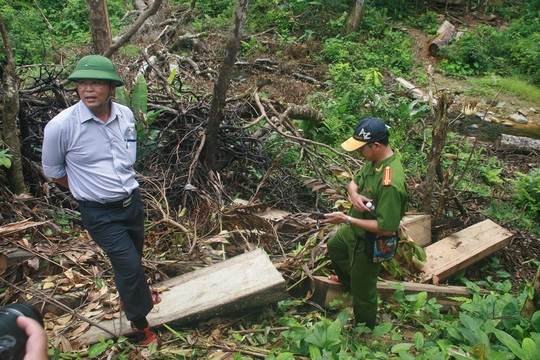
[446, 33]
[415, 93]
[517, 144]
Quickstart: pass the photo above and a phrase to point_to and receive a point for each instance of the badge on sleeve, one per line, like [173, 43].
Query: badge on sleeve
[387, 176]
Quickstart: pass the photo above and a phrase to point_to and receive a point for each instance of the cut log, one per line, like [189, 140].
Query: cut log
[517, 144]
[417, 228]
[10, 257]
[327, 291]
[244, 282]
[462, 249]
[446, 32]
[415, 93]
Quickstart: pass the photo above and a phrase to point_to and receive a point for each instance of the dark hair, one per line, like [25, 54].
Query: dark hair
[384, 141]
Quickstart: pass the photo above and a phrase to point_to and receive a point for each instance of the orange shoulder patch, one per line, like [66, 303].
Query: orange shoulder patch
[387, 176]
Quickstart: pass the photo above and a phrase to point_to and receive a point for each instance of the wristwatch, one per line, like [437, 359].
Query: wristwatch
[349, 219]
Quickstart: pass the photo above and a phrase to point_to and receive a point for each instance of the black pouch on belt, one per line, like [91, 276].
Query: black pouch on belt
[381, 248]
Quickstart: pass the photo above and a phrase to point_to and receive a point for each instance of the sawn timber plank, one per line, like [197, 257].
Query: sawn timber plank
[462, 249]
[245, 281]
[326, 291]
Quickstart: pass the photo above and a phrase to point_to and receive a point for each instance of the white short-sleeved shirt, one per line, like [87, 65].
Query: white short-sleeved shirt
[94, 155]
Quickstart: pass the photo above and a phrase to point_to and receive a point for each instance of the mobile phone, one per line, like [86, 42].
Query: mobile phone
[318, 214]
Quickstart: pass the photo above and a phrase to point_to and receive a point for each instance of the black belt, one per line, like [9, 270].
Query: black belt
[110, 205]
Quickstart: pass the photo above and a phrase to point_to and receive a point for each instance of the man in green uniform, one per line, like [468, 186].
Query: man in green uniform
[382, 182]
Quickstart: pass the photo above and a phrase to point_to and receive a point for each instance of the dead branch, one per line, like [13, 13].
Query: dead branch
[133, 28]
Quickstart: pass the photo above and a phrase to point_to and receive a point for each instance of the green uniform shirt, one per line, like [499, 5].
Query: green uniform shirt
[389, 193]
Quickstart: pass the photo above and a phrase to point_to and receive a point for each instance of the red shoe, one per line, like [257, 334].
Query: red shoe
[146, 336]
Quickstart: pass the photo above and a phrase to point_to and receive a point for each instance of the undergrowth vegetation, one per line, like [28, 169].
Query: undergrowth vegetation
[486, 326]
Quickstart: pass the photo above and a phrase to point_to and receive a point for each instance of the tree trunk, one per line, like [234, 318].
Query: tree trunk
[415, 93]
[438, 141]
[99, 25]
[446, 33]
[517, 144]
[222, 84]
[10, 132]
[354, 17]
[532, 305]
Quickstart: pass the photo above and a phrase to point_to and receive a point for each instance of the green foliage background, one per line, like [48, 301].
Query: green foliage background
[486, 327]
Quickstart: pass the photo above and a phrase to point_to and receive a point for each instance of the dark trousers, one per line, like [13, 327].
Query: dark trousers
[119, 232]
[350, 262]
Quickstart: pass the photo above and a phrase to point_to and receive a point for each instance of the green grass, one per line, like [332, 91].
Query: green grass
[520, 89]
[488, 86]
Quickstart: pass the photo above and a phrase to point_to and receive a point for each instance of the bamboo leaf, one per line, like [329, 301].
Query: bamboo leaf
[139, 98]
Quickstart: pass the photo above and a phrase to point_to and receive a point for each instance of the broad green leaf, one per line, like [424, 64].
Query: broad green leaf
[530, 348]
[535, 321]
[121, 96]
[510, 343]
[139, 98]
[455, 334]
[421, 301]
[469, 322]
[419, 340]
[511, 315]
[325, 337]
[6, 162]
[97, 349]
[285, 356]
[396, 349]
[382, 329]
[314, 352]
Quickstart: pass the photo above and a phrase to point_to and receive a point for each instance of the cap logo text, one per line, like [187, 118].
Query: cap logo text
[366, 135]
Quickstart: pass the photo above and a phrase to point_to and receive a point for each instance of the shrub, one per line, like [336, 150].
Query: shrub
[527, 194]
[488, 50]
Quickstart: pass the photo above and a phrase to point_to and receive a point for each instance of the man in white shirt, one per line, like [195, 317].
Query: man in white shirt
[90, 149]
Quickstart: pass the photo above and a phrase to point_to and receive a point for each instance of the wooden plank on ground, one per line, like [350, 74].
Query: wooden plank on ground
[462, 249]
[12, 256]
[418, 228]
[246, 281]
[327, 291]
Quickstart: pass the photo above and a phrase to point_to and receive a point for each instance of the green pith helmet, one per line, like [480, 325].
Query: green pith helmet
[96, 67]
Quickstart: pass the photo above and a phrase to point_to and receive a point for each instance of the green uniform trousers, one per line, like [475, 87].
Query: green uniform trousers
[356, 273]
